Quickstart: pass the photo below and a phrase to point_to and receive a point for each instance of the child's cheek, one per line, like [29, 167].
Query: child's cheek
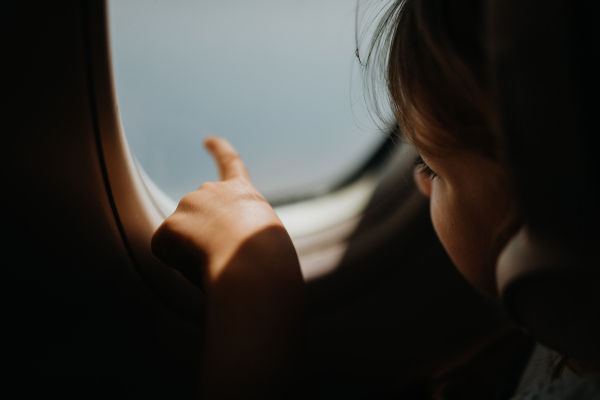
[456, 228]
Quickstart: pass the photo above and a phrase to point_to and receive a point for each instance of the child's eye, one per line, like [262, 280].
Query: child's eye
[424, 169]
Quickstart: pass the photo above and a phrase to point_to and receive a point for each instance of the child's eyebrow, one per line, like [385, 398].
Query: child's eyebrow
[427, 154]
[433, 153]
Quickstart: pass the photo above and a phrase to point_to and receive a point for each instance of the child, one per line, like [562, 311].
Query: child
[433, 64]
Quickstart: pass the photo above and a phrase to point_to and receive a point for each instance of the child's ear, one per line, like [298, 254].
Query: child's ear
[423, 182]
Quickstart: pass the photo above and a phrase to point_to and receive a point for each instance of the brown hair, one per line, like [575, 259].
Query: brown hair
[429, 56]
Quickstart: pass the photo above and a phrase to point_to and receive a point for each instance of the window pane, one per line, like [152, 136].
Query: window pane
[274, 77]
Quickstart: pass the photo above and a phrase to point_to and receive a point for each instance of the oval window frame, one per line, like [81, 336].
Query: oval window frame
[320, 226]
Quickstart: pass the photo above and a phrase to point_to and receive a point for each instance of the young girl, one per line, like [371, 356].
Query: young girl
[431, 58]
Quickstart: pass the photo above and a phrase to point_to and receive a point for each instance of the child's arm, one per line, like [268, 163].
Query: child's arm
[251, 278]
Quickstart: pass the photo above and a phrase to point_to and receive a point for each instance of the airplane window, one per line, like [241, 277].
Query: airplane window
[279, 79]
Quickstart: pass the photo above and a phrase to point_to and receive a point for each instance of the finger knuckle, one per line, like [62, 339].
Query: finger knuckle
[168, 227]
[193, 200]
[249, 194]
[229, 157]
[186, 203]
[208, 186]
[189, 198]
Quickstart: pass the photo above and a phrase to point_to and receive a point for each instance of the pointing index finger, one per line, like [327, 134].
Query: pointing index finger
[228, 161]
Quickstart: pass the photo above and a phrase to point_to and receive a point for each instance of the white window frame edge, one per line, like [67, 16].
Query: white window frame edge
[136, 209]
[318, 226]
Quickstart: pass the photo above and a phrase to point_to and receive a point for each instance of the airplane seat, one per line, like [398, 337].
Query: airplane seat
[544, 59]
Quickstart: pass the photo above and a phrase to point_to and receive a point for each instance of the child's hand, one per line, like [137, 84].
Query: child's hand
[212, 224]
[250, 272]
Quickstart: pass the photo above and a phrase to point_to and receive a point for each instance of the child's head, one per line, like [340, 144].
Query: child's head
[431, 57]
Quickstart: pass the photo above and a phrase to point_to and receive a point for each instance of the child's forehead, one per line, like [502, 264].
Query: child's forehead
[433, 145]
[439, 143]
[435, 138]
